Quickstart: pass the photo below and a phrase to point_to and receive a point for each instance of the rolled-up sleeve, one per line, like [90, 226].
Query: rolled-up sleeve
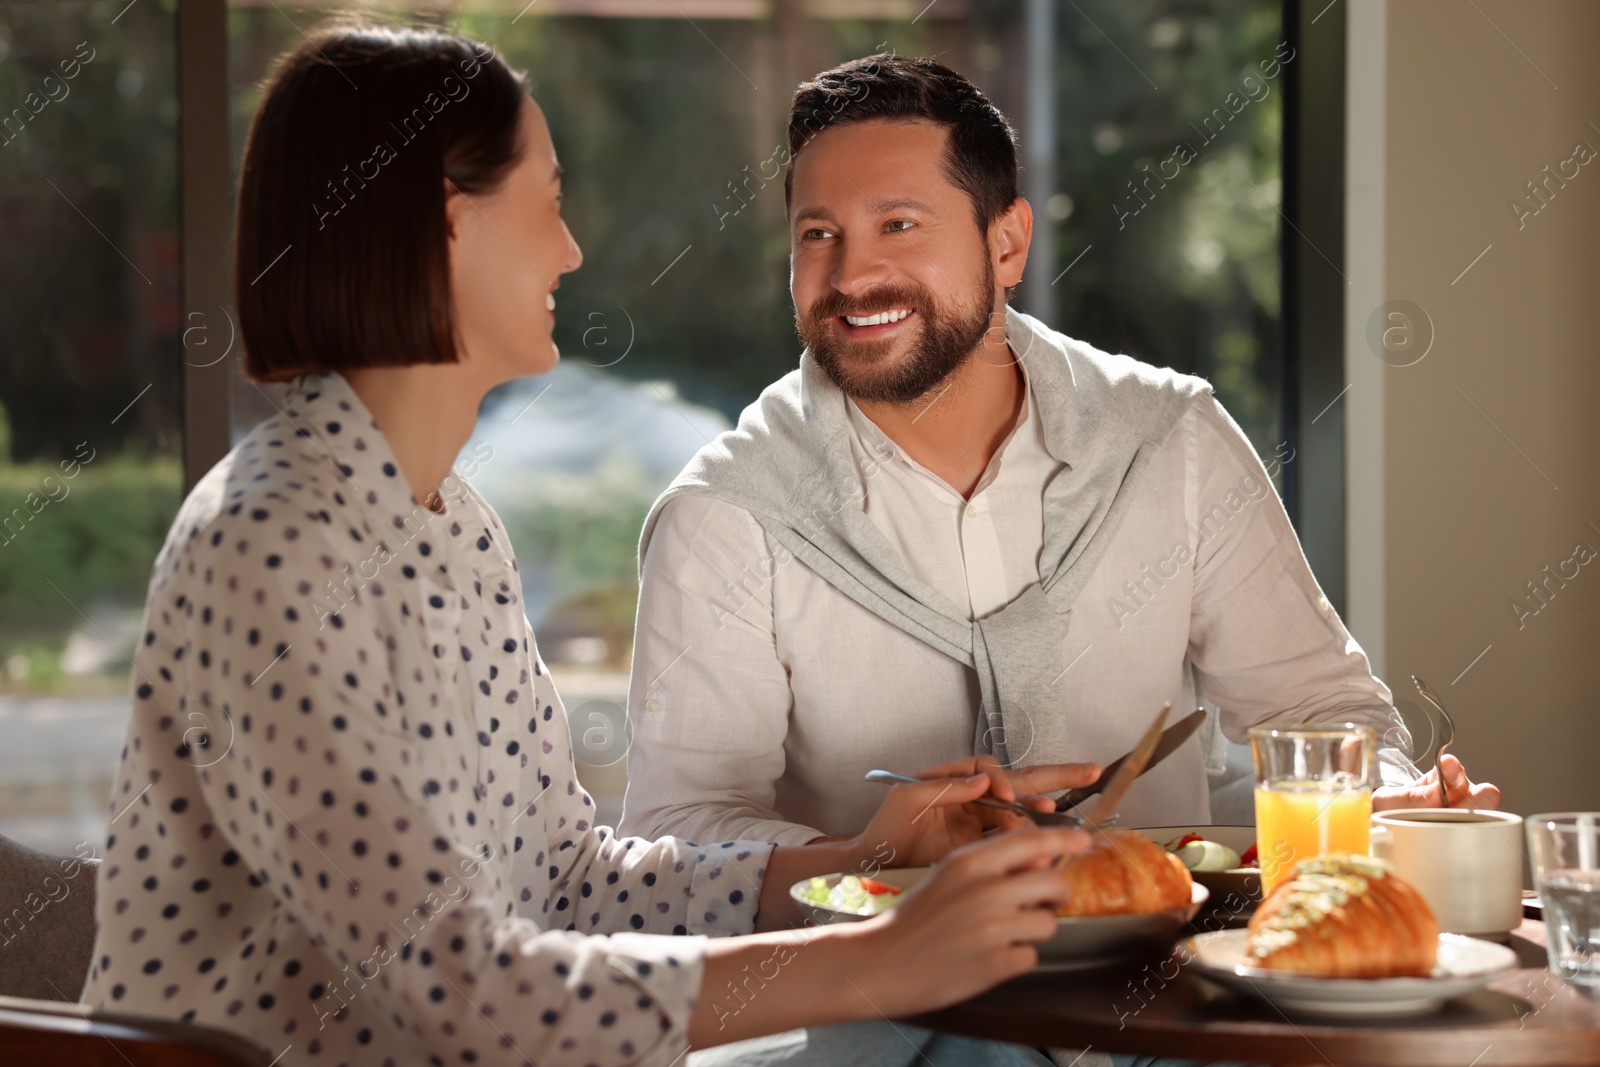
[602, 882]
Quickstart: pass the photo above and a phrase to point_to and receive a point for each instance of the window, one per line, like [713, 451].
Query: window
[1168, 180]
[90, 393]
[668, 119]
[1163, 216]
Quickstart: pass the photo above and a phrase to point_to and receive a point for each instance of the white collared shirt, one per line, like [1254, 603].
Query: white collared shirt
[761, 694]
[959, 545]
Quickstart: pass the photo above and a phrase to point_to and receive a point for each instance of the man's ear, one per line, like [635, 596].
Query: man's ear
[1009, 237]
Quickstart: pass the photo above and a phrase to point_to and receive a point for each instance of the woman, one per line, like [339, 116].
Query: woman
[346, 823]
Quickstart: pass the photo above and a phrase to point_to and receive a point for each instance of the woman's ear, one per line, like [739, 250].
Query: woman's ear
[454, 203]
[1009, 237]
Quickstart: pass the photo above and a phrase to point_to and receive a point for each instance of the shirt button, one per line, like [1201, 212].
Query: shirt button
[1323, 605]
[652, 704]
[972, 511]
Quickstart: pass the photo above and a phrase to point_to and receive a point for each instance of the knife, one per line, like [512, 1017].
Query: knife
[1170, 742]
[1132, 765]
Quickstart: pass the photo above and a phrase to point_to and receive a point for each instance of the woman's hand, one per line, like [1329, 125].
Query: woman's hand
[1424, 792]
[920, 824]
[972, 923]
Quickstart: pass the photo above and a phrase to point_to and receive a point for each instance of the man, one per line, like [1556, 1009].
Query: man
[953, 529]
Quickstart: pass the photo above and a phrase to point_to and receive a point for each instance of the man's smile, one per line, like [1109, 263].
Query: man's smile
[864, 327]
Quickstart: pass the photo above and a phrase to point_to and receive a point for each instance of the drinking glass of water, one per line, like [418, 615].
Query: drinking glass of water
[1565, 850]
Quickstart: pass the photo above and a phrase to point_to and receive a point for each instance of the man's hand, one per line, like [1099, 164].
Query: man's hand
[1424, 792]
[923, 823]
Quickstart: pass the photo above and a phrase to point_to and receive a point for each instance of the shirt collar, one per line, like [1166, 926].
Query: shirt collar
[329, 414]
[1023, 432]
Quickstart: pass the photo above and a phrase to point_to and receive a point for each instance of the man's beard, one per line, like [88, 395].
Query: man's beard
[864, 370]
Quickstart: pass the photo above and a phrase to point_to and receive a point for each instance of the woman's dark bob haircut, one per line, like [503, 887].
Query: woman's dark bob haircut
[342, 253]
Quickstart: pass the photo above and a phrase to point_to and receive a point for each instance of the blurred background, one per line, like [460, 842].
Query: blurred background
[1345, 160]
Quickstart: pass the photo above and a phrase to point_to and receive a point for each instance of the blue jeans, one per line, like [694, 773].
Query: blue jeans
[875, 1043]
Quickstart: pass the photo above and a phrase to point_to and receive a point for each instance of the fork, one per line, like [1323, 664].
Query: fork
[1447, 733]
[1043, 818]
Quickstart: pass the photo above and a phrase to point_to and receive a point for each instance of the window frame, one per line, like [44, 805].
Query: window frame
[1314, 290]
[205, 226]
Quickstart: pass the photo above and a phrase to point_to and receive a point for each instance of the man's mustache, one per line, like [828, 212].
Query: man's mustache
[837, 304]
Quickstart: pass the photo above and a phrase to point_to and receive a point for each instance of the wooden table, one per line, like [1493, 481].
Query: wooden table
[1153, 1006]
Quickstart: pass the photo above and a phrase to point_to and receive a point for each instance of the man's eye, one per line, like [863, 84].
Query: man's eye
[814, 234]
[897, 225]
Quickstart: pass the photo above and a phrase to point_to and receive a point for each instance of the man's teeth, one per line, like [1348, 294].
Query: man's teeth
[879, 319]
[550, 301]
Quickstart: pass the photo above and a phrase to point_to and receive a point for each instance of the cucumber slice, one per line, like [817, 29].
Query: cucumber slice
[1207, 856]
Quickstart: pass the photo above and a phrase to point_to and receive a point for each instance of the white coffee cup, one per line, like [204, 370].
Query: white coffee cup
[1466, 863]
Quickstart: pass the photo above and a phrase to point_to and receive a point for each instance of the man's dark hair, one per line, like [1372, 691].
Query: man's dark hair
[341, 244]
[982, 155]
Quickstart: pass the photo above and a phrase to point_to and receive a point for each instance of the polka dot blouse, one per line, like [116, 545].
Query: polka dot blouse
[346, 823]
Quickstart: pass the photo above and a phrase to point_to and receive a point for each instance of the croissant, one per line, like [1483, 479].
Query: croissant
[1125, 873]
[1344, 916]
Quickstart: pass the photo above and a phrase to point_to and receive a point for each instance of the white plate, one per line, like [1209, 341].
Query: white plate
[1079, 943]
[1465, 964]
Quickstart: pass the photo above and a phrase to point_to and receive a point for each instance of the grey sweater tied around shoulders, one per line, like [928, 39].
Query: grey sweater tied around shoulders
[788, 463]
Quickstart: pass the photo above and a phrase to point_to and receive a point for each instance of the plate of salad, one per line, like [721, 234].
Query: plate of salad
[1080, 942]
[843, 897]
[1221, 858]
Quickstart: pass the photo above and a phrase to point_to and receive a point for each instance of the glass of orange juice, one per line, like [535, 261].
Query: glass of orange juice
[1313, 792]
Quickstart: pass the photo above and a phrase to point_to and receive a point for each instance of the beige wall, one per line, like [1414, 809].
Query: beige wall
[1471, 512]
